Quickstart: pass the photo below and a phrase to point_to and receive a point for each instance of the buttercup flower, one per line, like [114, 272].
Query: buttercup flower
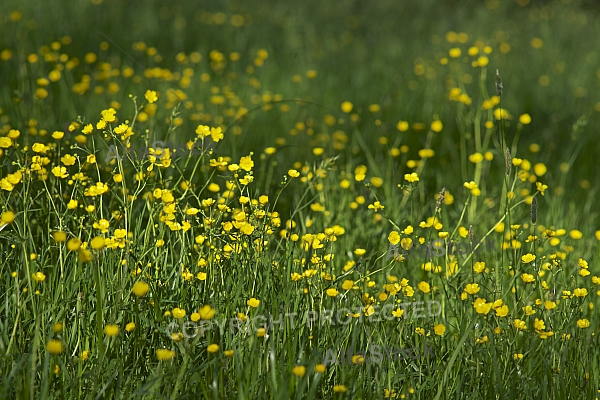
[253, 302]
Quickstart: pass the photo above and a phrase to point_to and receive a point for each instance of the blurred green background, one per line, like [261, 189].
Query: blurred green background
[386, 53]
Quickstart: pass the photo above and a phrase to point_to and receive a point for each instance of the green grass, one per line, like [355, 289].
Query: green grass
[274, 77]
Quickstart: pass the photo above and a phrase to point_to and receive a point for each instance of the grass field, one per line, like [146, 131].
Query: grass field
[256, 200]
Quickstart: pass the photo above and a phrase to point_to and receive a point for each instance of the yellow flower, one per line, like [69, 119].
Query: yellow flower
[424, 287]
[68, 160]
[228, 353]
[575, 234]
[178, 313]
[164, 354]
[358, 359]
[439, 329]
[348, 284]
[479, 267]
[130, 327]
[60, 172]
[109, 115]
[332, 292]
[398, 312]
[88, 129]
[527, 258]
[296, 277]
[437, 126]
[54, 346]
[216, 134]
[538, 325]
[482, 61]
[246, 228]
[246, 163]
[38, 276]
[476, 158]
[212, 348]
[402, 126]
[151, 96]
[73, 244]
[299, 371]
[102, 225]
[84, 355]
[502, 311]
[7, 217]
[360, 252]
[320, 368]
[454, 52]
[5, 142]
[195, 317]
[394, 237]
[346, 106]
[97, 243]
[339, 389]
[470, 185]
[177, 336]
[206, 312]
[39, 148]
[481, 306]
[376, 206]
[549, 305]
[482, 340]
[111, 330]
[527, 278]
[253, 302]
[96, 190]
[376, 181]
[140, 288]
[72, 204]
[528, 310]
[519, 324]
[501, 113]
[59, 236]
[472, 288]
[293, 173]
[203, 131]
[525, 119]
[583, 323]
[540, 169]
[120, 233]
[541, 187]
[413, 177]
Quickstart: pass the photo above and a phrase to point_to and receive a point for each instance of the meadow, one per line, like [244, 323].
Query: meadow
[315, 200]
